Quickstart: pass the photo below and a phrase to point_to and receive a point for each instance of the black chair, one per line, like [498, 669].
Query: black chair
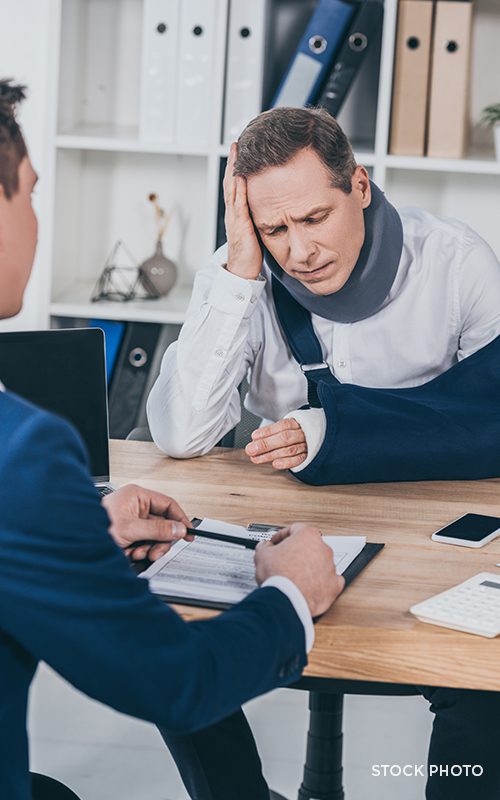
[45, 788]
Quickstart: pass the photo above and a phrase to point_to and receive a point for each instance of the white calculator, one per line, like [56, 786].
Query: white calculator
[472, 606]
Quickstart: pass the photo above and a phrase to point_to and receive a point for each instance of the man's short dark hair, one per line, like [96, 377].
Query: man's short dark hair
[12, 145]
[274, 137]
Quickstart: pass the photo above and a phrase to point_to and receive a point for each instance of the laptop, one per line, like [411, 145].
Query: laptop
[64, 371]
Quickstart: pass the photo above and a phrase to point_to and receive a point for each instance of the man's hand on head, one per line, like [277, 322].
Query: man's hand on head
[244, 255]
[137, 514]
[283, 444]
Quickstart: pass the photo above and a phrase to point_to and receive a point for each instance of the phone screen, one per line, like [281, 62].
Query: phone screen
[471, 527]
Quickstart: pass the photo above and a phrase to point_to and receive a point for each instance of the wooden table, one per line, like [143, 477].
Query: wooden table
[368, 634]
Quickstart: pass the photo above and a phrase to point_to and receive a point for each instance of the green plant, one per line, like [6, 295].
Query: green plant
[490, 115]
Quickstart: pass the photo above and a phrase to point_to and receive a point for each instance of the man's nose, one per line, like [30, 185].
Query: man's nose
[302, 248]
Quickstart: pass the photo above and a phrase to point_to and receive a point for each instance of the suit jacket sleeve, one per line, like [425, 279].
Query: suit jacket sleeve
[69, 597]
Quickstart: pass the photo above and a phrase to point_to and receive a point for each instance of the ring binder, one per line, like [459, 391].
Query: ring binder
[315, 53]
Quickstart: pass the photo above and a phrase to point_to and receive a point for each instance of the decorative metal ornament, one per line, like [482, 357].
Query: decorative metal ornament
[122, 281]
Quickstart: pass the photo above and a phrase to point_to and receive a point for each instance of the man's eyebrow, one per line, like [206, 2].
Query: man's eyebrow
[311, 213]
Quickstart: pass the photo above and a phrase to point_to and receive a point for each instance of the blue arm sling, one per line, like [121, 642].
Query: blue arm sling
[446, 429]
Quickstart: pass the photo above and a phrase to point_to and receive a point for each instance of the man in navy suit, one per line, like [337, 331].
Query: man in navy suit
[67, 593]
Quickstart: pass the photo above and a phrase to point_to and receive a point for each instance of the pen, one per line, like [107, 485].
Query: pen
[220, 537]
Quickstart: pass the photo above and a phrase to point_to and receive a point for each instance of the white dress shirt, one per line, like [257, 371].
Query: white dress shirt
[443, 306]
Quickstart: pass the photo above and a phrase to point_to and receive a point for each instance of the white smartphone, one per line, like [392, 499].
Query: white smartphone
[471, 530]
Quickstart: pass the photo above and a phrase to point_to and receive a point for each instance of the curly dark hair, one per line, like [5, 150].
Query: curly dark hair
[12, 145]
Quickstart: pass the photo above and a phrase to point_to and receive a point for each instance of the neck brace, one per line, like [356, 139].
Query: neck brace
[371, 280]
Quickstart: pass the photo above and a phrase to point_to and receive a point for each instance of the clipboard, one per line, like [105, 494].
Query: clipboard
[369, 551]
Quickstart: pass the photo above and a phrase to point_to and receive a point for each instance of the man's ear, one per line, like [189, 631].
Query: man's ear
[361, 184]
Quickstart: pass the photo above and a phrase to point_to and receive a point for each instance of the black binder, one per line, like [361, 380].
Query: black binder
[130, 376]
[358, 40]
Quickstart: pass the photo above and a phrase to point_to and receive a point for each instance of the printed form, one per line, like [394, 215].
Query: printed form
[205, 569]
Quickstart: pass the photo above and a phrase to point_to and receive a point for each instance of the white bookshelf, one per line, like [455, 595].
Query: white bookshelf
[96, 172]
[74, 302]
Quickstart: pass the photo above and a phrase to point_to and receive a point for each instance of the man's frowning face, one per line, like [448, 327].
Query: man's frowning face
[18, 238]
[313, 230]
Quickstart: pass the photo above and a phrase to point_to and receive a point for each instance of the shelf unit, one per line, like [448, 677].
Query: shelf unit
[96, 172]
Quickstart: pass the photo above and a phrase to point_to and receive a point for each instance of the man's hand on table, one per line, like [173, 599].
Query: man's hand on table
[299, 553]
[283, 444]
[138, 514]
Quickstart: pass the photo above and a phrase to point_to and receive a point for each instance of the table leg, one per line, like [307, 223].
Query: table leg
[322, 778]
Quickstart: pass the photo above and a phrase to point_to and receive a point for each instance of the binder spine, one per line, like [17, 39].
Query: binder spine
[449, 94]
[160, 21]
[358, 41]
[315, 53]
[411, 78]
[195, 87]
[131, 376]
[245, 65]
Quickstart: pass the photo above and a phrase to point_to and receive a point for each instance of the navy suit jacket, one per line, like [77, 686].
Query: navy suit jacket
[69, 597]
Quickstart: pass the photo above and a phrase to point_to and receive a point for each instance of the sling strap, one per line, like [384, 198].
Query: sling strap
[296, 323]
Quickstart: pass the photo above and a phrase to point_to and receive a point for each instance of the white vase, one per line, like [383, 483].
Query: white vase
[496, 136]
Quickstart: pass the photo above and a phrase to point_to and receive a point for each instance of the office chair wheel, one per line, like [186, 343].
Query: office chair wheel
[45, 788]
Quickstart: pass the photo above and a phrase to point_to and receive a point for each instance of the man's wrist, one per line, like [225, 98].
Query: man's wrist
[298, 601]
[247, 275]
[313, 423]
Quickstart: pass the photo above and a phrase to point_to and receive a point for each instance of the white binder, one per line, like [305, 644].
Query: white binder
[245, 65]
[160, 21]
[195, 86]
[160, 28]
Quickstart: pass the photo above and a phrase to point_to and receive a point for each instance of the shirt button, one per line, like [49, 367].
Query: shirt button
[253, 299]
[240, 297]
[341, 364]
[220, 352]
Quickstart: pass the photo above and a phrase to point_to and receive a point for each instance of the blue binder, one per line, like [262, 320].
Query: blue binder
[113, 335]
[315, 53]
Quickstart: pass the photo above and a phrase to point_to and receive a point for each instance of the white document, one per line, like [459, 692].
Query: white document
[245, 65]
[195, 86]
[219, 572]
[160, 24]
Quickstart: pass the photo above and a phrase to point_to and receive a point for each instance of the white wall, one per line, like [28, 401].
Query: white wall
[28, 53]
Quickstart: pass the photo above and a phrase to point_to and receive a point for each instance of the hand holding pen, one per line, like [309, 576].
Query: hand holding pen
[145, 523]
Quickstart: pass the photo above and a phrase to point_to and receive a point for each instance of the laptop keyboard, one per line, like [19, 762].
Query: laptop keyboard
[103, 490]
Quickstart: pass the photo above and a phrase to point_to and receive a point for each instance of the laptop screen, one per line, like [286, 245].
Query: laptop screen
[63, 371]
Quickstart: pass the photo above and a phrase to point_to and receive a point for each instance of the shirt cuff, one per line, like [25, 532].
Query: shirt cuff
[234, 295]
[298, 601]
[313, 423]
